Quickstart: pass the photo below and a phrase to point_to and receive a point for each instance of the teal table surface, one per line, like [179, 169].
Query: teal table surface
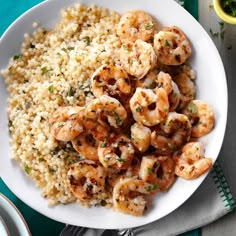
[40, 225]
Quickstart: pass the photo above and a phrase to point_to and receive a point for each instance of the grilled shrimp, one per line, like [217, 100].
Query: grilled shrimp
[140, 136]
[174, 97]
[66, 123]
[154, 80]
[116, 152]
[172, 46]
[158, 170]
[190, 162]
[135, 25]
[148, 107]
[174, 133]
[87, 179]
[201, 115]
[108, 108]
[86, 145]
[186, 88]
[110, 80]
[128, 195]
[137, 58]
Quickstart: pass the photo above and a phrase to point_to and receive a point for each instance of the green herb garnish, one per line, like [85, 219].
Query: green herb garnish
[151, 187]
[27, 169]
[192, 108]
[87, 40]
[51, 88]
[229, 6]
[139, 109]
[167, 44]
[17, 56]
[149, 25]
[71, 92]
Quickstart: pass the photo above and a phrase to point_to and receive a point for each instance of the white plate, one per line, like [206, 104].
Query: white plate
[13, 222]
[211, 86]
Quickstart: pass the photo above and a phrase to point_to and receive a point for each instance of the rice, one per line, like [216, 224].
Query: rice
[53, 69]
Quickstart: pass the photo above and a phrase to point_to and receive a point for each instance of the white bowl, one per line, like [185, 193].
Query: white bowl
[211, 87]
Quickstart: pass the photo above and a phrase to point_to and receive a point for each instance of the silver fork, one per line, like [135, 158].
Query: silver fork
[71, 230]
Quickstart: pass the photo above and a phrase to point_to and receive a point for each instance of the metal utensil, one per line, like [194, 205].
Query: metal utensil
[71, 230]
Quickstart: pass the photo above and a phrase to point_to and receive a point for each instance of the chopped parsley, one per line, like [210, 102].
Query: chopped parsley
[104, 143]
[149, 25]
[139, 109]
[121, 160]
[40, 159]
[118, 120]
[87, 40]
[192, 108]
[17, 56]
[151, 187]
[149, 170]
[103, 203]
[167, 44]
[71, 92]
[51, 88]
[45, 71]
[27, 169]
[229, 6]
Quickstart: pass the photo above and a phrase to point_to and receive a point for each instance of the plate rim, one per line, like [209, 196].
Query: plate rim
[226, 101]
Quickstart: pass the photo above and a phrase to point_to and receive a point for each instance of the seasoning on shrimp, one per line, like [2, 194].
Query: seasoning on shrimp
[140, 136]
[158, 170]
[137, 58]
[87, 179]
[148, 107]
[202, 117]
[128, 195]
[172, 46]
[186, 88]
[86, 145]
[190, 162]
[117, 153]
[106, 106]
[135, 25]
[173, 132]
[110, 80]
[66, 123]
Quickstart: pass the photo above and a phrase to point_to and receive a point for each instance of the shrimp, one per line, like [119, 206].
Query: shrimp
[116, 152]
[140, 136]
[66, 123]
[172, 46]
[154, 80]
[174, 97]
[110, 80]
[148, 107]
[128, 195]
[86, 145]
[173, 133]
[158, 170]
[137, 58]
[202, 117]
[87, 179]
[108, 108]
[186, 88]
[190, 163]
[135, 25]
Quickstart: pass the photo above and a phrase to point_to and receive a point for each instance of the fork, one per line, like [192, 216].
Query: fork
[71, 230]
